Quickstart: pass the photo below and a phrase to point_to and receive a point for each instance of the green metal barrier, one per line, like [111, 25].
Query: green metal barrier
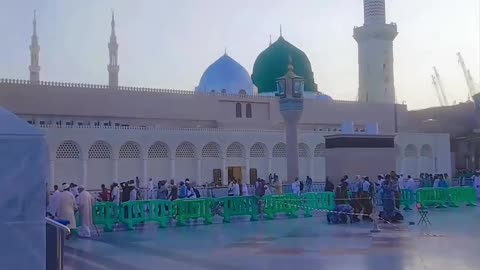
[443, 197]
[426, 197]
[463, 195]
[106, 214]
[239, 206]
[133, 213]
[160, 211]
[407, 199]
[286, 203]
[186, 209]
[318, 201]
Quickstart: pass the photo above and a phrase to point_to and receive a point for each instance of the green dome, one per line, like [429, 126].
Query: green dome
[272, 63]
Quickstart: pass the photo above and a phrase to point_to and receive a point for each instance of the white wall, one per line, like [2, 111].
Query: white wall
[208, 165]
[129, 168]
[159, 169]
[68, 171]
[71, 170]
[100, 171]
[319, 169]
[261, 164]
[186, 168]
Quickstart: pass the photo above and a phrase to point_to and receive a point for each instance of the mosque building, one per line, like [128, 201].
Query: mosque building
[231, 126]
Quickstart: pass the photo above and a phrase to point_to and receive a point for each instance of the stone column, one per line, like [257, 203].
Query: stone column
[419, 165]
[145, 172]
[269, 165]
[247, 171]
[224, 172]
[292, 150]
[52, 175]
[85, 172]
[115, 170]
[199, 171]
[312, 169]
[172, 168]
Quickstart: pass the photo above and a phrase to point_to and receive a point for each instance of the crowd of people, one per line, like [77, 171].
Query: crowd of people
[64, 203]
[355, 198]
[356, 195]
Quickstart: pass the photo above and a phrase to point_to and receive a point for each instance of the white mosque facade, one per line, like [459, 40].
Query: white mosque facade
[230, 126]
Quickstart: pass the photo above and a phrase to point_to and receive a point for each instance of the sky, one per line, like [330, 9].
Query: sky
[169, 43]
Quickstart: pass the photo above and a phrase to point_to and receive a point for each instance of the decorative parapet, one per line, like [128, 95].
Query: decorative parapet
[327, 131]
[140, 89]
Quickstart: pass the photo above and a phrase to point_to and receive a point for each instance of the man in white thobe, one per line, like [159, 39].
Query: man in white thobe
[85, 205]
[411, 184]
[66, 207]
[150, 187]
[115, 194]
[54, 202]
[296, 187]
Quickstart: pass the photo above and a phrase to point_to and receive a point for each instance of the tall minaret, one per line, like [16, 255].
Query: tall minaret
[375, 54]
[113, 67]
[34, 54]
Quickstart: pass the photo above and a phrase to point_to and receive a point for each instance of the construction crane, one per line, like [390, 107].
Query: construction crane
[437, 91]
[441, 90]
[472, 89]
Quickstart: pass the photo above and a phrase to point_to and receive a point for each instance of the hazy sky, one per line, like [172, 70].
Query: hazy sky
[168, 44]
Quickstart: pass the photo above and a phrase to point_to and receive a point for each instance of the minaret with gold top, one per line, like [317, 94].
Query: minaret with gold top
[113, 67]
[290, 91]
[34, 54]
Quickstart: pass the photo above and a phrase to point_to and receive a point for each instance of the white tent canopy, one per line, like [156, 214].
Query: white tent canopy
[23, 174]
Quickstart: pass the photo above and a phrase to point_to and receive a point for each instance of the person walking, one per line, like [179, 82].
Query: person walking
[85, 205]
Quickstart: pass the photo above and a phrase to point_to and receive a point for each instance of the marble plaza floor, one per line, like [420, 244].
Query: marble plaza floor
[452, 242]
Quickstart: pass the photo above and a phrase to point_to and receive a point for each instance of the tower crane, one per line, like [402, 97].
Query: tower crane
[440, 87]
[437, 91]
[472, 88]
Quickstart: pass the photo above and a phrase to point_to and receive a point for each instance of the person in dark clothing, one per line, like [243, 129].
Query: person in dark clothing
[329, 186]
[341, 193]
[173, 191]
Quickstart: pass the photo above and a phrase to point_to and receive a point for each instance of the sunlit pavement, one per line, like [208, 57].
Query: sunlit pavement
[452, 242]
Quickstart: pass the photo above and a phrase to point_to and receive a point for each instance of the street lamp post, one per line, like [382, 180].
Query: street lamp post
[290, 91]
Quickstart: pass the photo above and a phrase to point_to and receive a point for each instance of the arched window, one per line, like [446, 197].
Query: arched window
[235, 150]
[211, 150]
[249, 110]
[319, 150]
[279, 150]
[100, 150]
[68, 150]
[158, 150]
[238, 110]
[129, 150]
[185, 150]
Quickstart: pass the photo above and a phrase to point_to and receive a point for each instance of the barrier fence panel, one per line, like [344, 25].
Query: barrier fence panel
[160, 211]
[407, 199]
[133, 213]
[239, 206]
[318, 201]
[186, 209]
[106, 214]
[286, 203]
[463, 195]
[443, 197]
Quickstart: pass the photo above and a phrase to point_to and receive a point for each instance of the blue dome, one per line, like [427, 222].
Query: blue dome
[225, 75]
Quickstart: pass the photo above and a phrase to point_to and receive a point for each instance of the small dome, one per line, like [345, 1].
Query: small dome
[226, 76]
[273, 62]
